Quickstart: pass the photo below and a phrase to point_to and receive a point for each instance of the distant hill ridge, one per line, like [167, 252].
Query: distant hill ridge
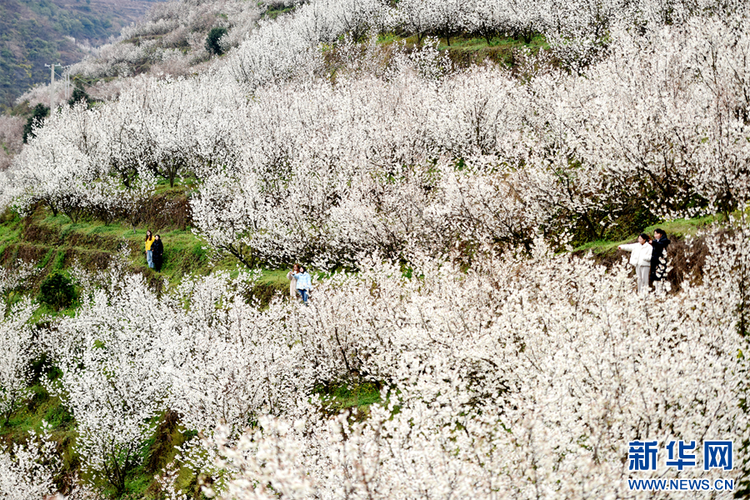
[38, 32]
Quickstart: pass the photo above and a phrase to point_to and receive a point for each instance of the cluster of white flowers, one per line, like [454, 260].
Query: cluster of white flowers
[16, 276]
[27, 470]
[410, 154]
[76, 170]
[521, 377]
[578, 30]
[171, 39]
[16, 353]
[519, 381]
[16, 340]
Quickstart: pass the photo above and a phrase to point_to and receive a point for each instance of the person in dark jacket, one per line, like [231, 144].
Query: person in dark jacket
[658, 258]
[157, 253]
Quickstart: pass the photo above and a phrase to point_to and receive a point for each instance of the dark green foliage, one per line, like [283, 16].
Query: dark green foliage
[57, 291]
[79, 95]
[35, 120]
[212, 40]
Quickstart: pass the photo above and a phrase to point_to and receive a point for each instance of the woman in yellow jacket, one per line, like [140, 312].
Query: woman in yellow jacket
[149, 254]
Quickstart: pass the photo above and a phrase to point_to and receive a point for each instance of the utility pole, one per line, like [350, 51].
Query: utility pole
[67, 81]
[51, 84]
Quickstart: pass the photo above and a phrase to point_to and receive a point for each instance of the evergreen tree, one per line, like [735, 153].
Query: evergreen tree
[35, 120]
[79, 95]
[212, 40]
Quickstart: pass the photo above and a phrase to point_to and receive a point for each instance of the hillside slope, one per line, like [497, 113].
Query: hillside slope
[38, 32]
[451, 205]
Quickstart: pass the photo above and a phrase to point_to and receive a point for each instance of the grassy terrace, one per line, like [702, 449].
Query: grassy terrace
[56, 243]
[466, 49]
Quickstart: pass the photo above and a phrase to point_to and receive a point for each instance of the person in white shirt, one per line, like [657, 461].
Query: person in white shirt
[303, 283]
[640, 258]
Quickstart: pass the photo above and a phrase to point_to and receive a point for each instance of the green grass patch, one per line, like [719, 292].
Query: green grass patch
[45, 260]
[679, 228]
[274, 13]
[275, 277]
[10, 226]
[56, 243]
[272, 282]
[44, 313]
[59, 263]
[388, 38]
[465, 50]
[42, 407]
[685, 227]
[338, 397]
[599, 246]
[478, 43]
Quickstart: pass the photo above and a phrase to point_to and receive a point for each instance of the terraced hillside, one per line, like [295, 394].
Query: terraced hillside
[57, 244]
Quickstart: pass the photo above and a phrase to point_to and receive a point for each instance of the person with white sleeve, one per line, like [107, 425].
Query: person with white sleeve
[293, 281]
[640, 258]
[303, 283]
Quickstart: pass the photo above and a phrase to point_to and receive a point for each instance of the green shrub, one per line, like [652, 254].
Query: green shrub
[57, 291]
[79, 95]
[35, 120]
[212, 40]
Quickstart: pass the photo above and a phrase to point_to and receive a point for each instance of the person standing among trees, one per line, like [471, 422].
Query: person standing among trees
[149, 254]
[157, 251]
[640, 258]
[303, 284]
[293, 281]
[658, 258]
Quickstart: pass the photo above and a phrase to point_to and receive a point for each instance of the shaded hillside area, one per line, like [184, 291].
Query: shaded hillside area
[38, 32]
